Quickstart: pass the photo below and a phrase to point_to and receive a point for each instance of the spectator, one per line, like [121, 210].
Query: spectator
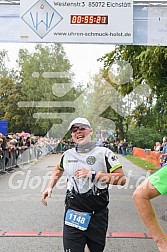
[157, 147]
[163, 157]
[99, 143]
[120, 147]
[124, 147]
[130, 148]
[1, 152]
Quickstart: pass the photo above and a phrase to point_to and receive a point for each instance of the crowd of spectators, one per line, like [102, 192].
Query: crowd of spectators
[17, 142]
[13, 145]
[120, 147]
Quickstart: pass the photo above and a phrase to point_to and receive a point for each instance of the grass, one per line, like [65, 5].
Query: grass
[142, 163]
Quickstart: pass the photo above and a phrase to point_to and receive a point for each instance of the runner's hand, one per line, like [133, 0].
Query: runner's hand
[162, 245]
[83, 173]
[45, 194]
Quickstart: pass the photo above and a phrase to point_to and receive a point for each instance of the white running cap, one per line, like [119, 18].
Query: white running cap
[79, 120]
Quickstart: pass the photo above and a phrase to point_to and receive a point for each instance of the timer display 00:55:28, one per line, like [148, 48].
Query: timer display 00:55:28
[88, 19]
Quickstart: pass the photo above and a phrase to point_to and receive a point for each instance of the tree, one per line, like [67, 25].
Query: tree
[34, 68]
[10, 95]
[149, 66]
[30, 83]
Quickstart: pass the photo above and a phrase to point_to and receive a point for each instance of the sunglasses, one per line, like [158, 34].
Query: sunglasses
[81, 128]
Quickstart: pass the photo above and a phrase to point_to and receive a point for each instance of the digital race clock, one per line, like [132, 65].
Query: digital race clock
[88, 19]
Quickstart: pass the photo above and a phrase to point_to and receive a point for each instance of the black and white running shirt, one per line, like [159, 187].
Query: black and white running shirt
[99, 159]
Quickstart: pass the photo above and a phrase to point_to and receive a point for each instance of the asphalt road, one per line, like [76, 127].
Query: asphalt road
[26, 225]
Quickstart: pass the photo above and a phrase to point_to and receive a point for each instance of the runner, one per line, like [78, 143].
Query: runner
[152, 187]
[89, 170]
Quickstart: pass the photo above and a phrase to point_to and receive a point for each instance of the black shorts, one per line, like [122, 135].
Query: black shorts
[74, 240]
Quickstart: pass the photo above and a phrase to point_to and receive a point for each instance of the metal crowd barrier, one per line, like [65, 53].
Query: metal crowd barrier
[10, 159]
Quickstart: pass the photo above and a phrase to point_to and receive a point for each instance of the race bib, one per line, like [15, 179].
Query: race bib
[77, 219]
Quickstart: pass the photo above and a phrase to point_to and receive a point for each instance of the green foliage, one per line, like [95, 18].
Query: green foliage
[149, 65]
[10, 95]
[27, 86]
[46, 59]
[144, 137]
[144, 126]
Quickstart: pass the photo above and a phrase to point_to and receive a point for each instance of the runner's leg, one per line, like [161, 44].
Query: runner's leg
[74, 239]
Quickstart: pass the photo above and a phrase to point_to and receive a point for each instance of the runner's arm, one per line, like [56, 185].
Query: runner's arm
[116, 177]
[56, 174]
[142, 196]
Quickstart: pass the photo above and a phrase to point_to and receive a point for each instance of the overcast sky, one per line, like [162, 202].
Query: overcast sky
[83, 57]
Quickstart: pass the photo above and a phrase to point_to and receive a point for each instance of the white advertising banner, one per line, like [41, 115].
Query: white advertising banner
[71, 21]
[157, 26]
